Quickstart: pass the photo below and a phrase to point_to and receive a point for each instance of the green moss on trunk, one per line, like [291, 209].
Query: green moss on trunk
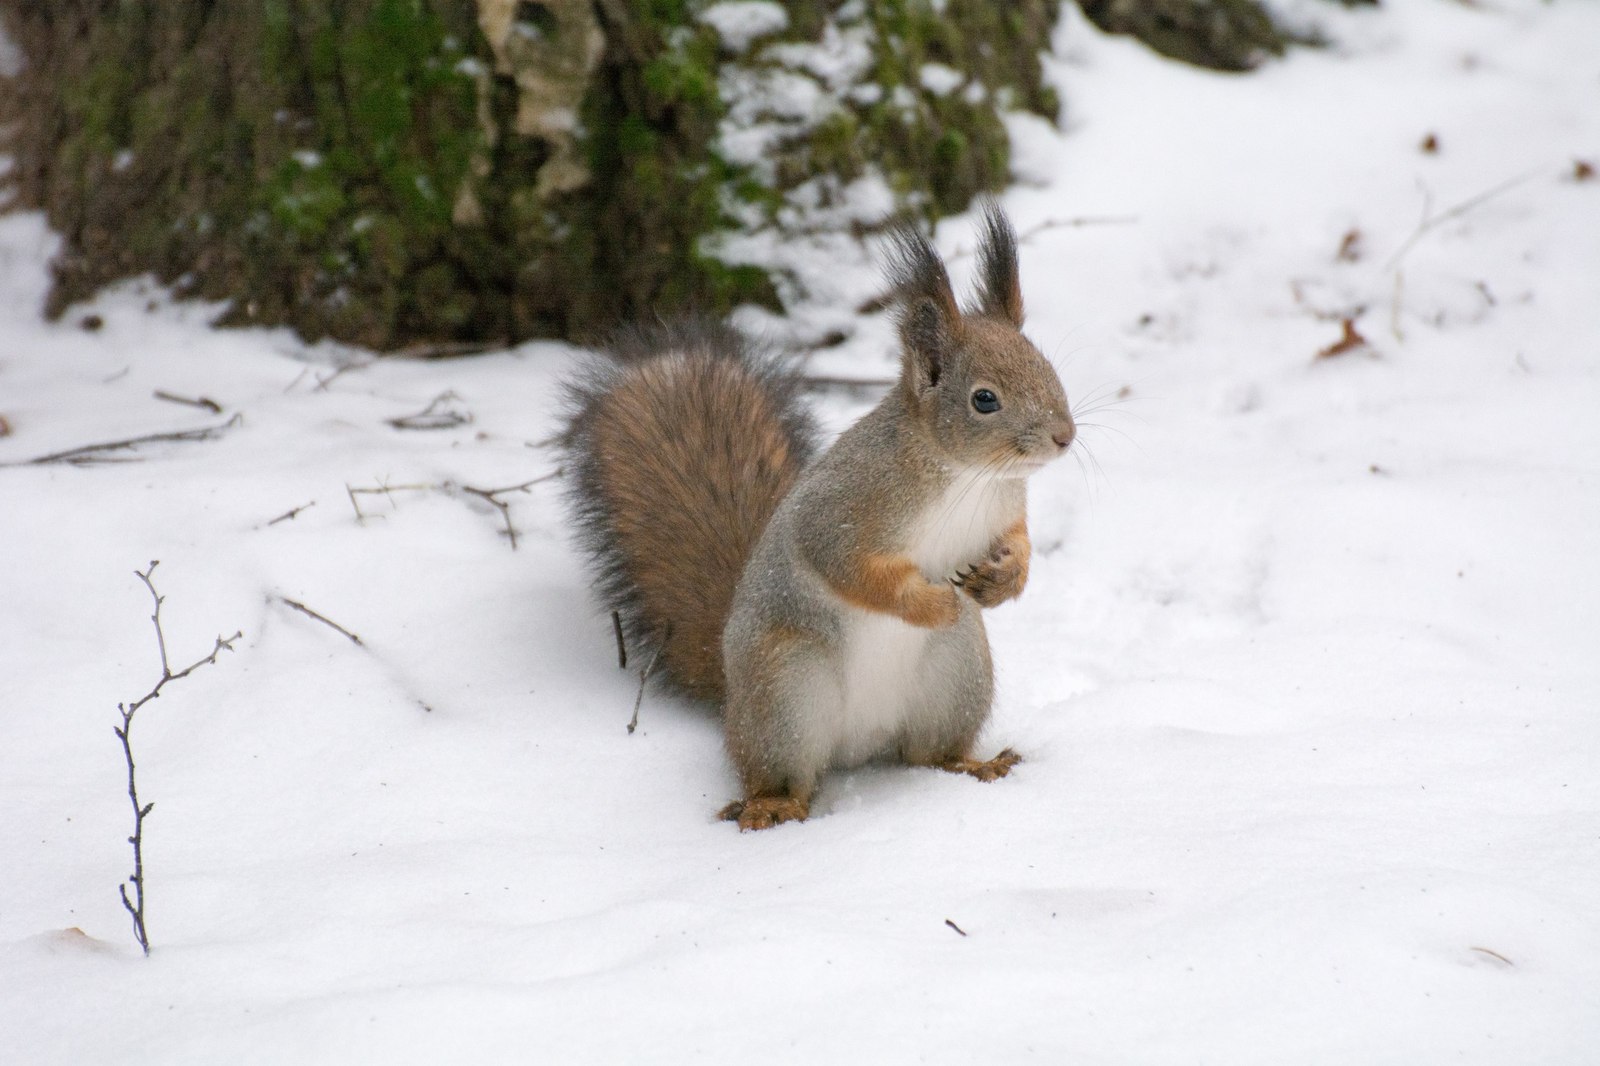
[369, 170]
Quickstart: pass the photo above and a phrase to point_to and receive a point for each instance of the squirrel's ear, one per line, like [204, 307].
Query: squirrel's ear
[925, 340]
[930, 322]
[999, 290]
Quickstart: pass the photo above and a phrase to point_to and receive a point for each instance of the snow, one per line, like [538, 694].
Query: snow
[739, 22]
[1305, 676]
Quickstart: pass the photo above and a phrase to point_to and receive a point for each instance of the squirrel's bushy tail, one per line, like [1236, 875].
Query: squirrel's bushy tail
[682, 442]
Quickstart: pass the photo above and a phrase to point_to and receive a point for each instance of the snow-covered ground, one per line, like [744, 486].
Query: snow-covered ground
[1307, 675]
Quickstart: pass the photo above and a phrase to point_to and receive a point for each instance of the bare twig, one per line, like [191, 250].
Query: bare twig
[205, 403]
[622, 649]
[644, 678]
[450, 488]
[825, 381]
[1074, 223]
[1059, 223]
[291, 512]
[326, 380]
[383, 489]
[1396, 305]
[1494, 955]
[308, 612]
[432, 417]
[141, 811]
[494, 500]
[954, 926]
[1430, 221]
[831, 339]
[447, 349]
[90, 453]
[886, 298]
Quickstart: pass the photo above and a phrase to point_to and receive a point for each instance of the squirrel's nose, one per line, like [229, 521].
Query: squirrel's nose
[1063, 436]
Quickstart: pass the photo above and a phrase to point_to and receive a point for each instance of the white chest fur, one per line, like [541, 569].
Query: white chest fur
[883, 656]
[958, 528]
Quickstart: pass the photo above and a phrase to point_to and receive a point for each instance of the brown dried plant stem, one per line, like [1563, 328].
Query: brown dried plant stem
[141, 811]
[95, 453]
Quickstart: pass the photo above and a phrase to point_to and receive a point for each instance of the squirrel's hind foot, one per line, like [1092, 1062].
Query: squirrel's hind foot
[764, 812]
[990, 770]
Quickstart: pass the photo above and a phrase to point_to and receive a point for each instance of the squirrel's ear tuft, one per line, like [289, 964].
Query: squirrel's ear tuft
[930, 321]
[999, 290]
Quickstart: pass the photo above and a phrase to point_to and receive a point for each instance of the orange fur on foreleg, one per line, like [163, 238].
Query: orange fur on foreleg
[892, 584]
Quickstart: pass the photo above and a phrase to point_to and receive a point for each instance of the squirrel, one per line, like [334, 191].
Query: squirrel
[831, 607]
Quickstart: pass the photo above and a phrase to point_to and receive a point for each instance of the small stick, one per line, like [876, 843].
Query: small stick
[1061, 223]
[384, 489]
[323, 383]
[431, 417]
[622, 649]
[824, 381]
[303, 609]
[1430, 223]
[141, 811]
[1495, 955]
[87, 452]
[493, 498]
[1396, 305]
[205, 403]
[644, 676]
[447, 349]
[291, 513]
[954, 926]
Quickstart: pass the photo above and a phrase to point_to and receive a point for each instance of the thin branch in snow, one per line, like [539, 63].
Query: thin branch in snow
[622, 648]
[447, 350]
[644, 677]
[92, 453]
[954, 926]
[141, 811]
[437, 415]
[1431, 222]
[308, 612]
[884, 299]
[324, 382]
[291, 512]
[205, 403]
[825, 381]
[493, 497]
[451, 488]
[383, 489]
[1058, 223]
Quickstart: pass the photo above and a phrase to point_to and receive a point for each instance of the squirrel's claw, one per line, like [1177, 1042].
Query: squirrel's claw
[991, 583]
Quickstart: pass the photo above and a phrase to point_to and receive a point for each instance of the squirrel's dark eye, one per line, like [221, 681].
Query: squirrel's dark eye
[985, 402]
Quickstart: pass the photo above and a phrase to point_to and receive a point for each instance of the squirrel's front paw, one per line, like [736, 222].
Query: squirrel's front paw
[996, 579]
